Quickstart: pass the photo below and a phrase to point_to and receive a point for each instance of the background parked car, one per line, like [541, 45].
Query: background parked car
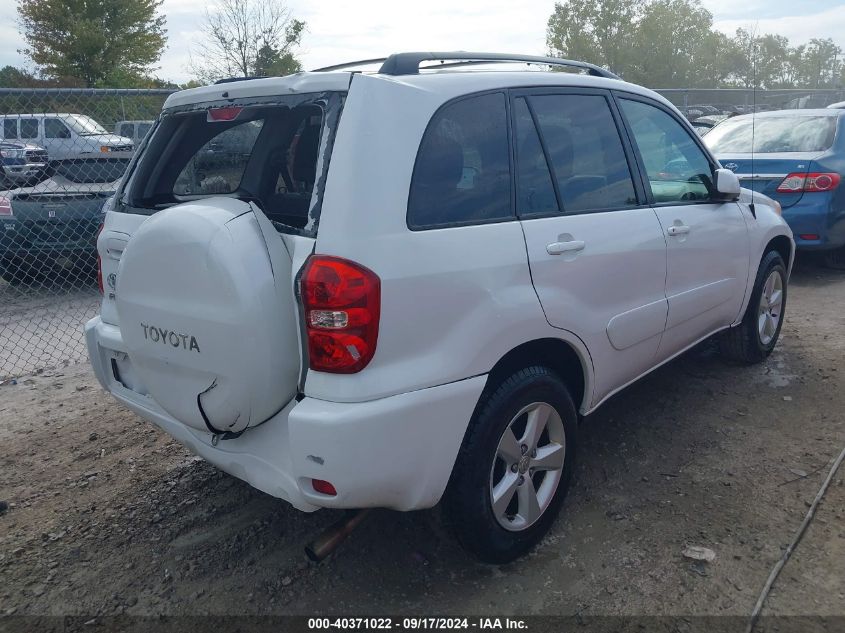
[798, 159]
[704, 124]
[64, 136]
[51, 228]
[134, 130]
[22, 163]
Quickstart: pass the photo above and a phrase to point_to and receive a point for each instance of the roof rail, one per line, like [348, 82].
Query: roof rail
[409, 63]
[227, 80]
[361, 62]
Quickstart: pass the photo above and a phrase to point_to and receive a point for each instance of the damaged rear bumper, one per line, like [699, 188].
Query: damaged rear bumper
[395, 452]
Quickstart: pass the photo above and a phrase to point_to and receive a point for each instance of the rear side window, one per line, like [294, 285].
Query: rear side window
[143, 128]
[10, 128]
[462, 172]
[585, 152]
[798, 133]
[536, 190]
[218, 166]
[29, 128]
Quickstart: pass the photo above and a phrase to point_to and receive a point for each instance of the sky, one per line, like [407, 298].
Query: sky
[338, 30]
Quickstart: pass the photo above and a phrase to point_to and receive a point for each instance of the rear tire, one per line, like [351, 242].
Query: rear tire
[835, 259]
[519, 449]
[754, 339]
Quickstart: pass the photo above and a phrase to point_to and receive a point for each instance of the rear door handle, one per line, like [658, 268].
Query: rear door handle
[558, 248]
[678, 229]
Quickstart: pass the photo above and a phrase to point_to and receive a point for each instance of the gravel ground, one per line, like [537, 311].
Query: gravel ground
[108, 516]
[41, 326]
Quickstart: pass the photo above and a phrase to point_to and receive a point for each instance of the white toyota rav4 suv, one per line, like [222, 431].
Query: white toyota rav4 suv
[359, 290]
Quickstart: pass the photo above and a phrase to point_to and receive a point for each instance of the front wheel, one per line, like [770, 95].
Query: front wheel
[514, 467]
[754, 339]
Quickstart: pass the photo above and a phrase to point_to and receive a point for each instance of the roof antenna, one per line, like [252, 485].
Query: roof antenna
[753, 111]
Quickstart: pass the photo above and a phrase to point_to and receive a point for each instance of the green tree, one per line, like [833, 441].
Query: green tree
[671, 38]
[819, 65]
[246, 38]
[596, 31]
[11, 77]
[98, 42]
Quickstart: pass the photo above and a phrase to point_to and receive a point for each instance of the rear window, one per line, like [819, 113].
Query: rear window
[799, 133]
[260, 152]
[219, 165]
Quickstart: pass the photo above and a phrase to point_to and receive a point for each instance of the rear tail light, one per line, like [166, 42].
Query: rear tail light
[5, 206]
[323, 487]
[812, 182]
[342, 301]
[99, 262]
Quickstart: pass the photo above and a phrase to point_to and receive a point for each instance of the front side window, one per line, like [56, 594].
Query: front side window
[462, 173]
[84, 125]
[29, 128]
[585, 152]
[10, 128]
[677, 169]
[127, 130]
[54, 128]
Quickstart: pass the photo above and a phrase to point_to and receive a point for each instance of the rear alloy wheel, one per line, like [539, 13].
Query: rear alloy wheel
[514, 466]
[754, 339]
[528, 466]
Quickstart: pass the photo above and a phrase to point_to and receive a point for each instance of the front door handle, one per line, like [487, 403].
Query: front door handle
[558, 248]
[678, 229]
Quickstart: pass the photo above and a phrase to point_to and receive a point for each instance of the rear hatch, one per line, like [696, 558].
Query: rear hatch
[200, 253]
[784, 143]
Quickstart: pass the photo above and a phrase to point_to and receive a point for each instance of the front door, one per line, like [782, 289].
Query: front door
[707, 241]
[596, 251]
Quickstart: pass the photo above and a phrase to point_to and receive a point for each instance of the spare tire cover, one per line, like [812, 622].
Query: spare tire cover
[207, 312]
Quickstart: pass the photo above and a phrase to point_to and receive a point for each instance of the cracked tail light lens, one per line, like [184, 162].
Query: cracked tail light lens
[342, 301]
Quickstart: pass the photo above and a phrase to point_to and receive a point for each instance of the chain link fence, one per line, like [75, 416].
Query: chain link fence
[63, 152]
[698, 103]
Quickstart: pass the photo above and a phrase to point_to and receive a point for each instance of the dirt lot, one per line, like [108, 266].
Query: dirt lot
[41, 326]
[108, 516]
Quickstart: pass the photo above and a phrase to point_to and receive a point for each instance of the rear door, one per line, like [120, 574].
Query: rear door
[596, 250]
[707, 242]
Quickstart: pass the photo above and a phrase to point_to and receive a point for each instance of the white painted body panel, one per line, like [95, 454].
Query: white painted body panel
[395, 452]
[707, 271]
[611, 293]
[454, 301]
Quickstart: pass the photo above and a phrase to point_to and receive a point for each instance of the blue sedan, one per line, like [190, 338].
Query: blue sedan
[798, 159]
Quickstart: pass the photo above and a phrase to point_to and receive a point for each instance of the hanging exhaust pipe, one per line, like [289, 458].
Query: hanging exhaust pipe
[334, 535]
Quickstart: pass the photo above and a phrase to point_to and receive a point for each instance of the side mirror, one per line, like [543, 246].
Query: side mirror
[727, 185]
